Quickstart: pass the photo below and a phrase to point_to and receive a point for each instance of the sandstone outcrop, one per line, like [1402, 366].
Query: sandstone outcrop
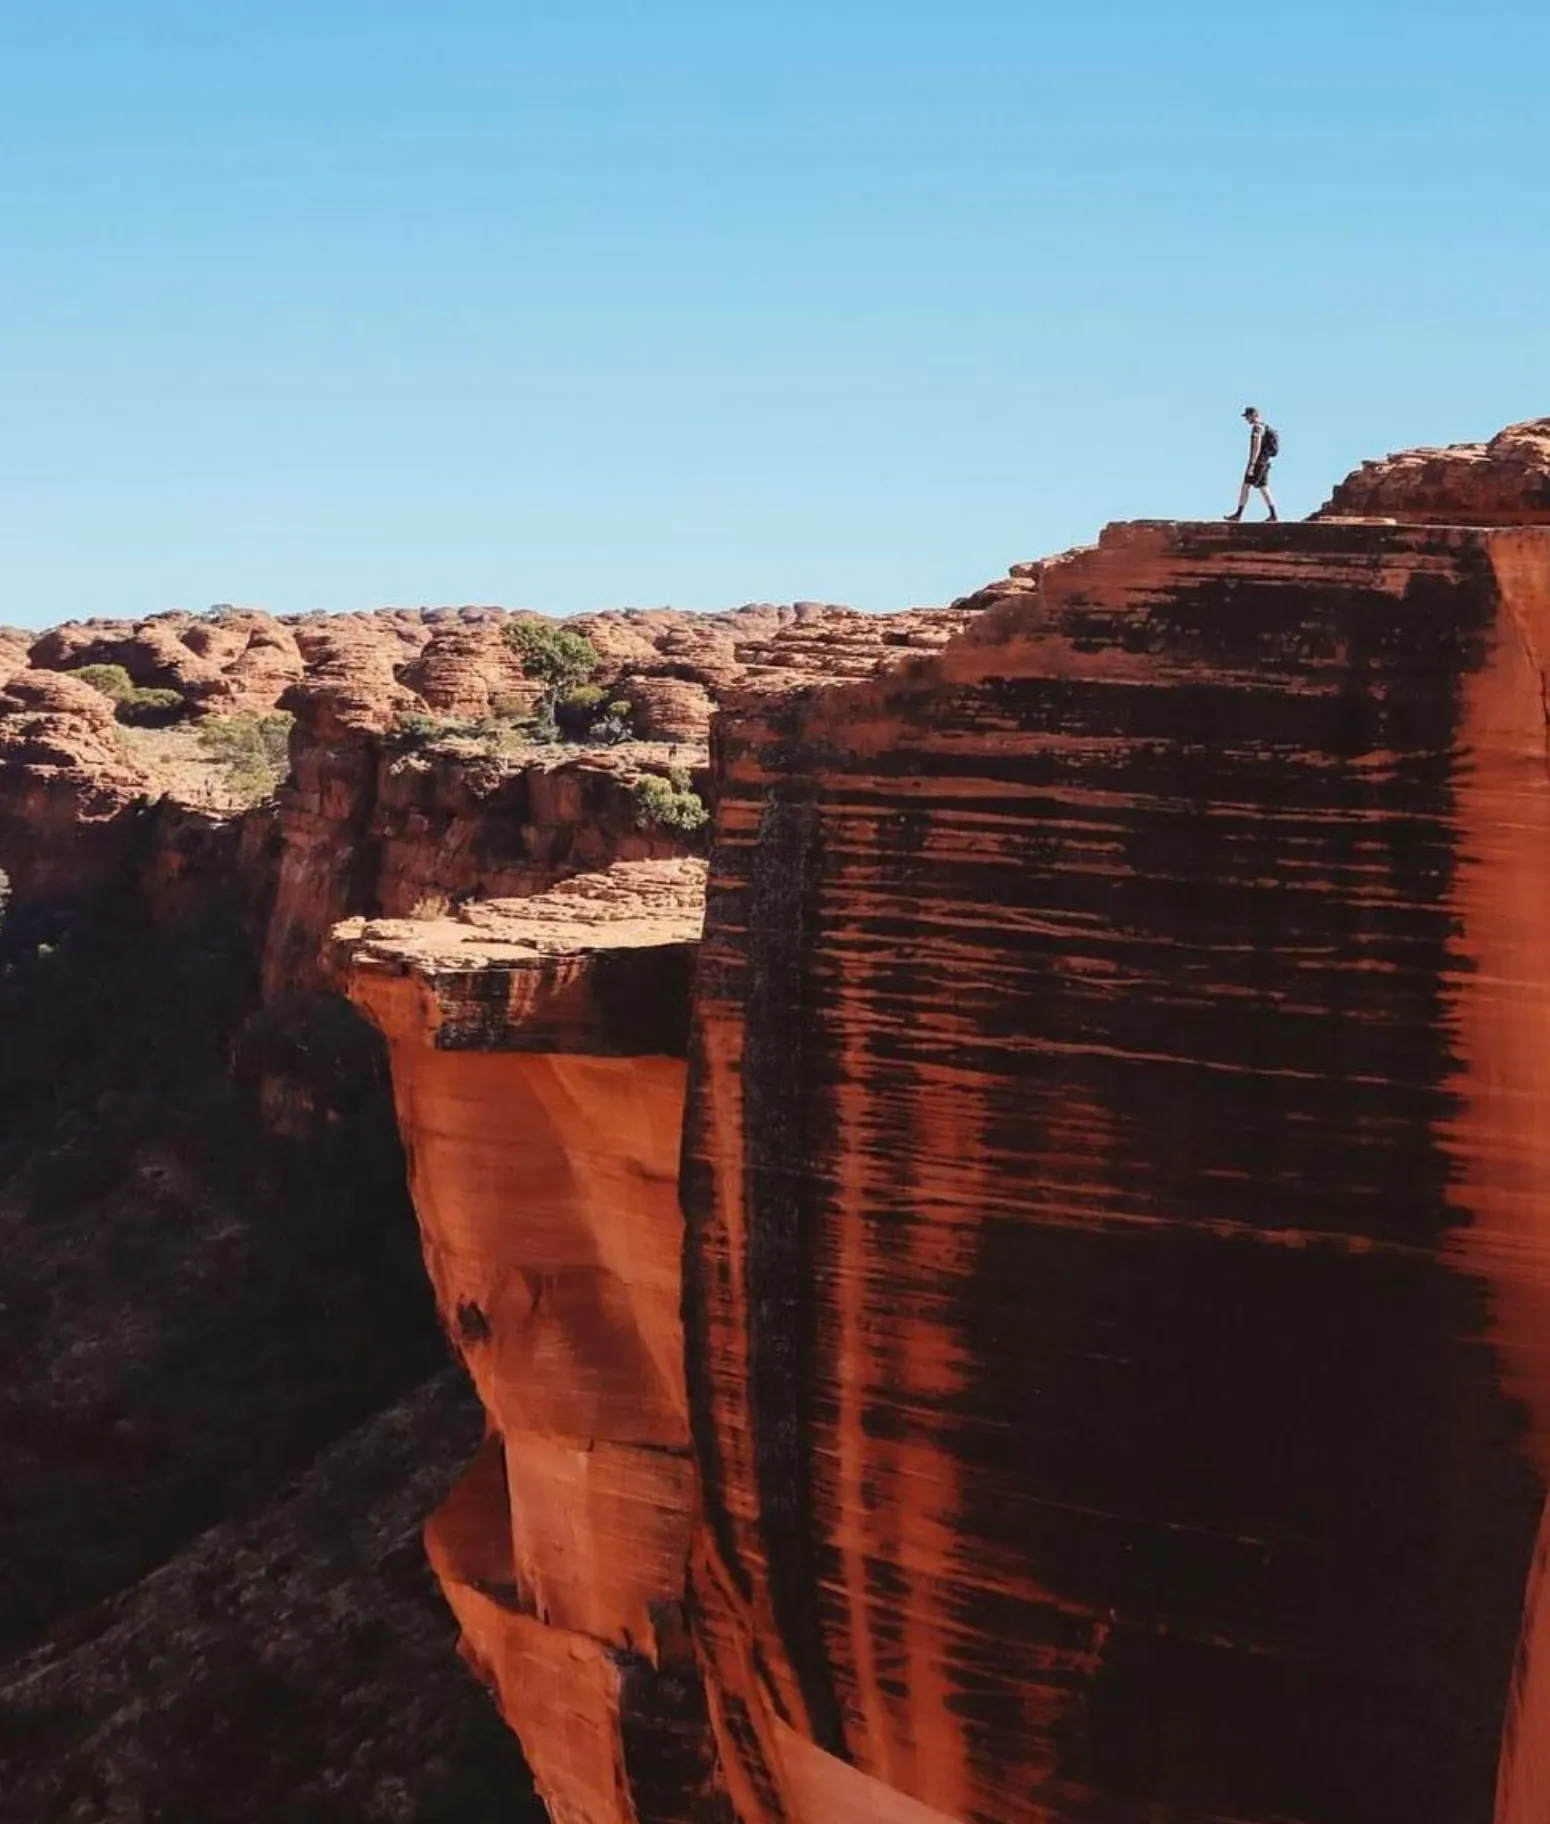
[239, 660]
[472, 671]
[15, 644]
[69, 796]
[538, 1065]
[1115, 1179]
[1505, 482]
[372, 824]
[368, 825]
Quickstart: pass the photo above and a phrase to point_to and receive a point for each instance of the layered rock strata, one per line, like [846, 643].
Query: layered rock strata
[1504, 482]
[70, 800]
[538, 1064]
[1116, 1176]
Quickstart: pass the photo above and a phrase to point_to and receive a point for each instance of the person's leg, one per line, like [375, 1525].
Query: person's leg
[1243, 501]
[1269, 500]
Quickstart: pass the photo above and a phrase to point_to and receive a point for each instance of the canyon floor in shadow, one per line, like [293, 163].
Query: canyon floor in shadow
[296, 1665]
[224, 1410]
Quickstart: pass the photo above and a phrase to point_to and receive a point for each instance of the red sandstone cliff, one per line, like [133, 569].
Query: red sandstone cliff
[1106, 1381]
[1115, 1180]
[537, 1048]
[1112, 1179]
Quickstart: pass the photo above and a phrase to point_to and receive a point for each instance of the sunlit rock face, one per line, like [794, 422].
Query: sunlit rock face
[1117, 1173]
[1505, 482]
[538, 1064]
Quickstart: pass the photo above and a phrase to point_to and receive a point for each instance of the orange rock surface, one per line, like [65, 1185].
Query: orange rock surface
[368, 824]
[238, 660]
[69, 798]
[1116, 1179]
[538, 1064]
[1505, 482]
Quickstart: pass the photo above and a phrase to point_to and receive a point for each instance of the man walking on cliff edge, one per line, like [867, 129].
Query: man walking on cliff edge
[1264, 447]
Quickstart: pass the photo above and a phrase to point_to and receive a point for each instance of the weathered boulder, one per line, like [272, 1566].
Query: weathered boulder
[1116, 1172]
[1505, 482]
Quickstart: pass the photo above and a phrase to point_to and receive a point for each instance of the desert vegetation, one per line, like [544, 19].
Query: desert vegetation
[670, 801]
[252, 751]
[133, 704]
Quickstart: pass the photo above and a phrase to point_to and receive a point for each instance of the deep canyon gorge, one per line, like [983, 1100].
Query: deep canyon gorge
[983, 1170]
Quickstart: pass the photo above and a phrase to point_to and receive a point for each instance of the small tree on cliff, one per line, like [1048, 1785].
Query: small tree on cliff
[558, 657]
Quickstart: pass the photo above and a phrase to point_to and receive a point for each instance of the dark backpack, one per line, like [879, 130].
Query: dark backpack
[1271, 445]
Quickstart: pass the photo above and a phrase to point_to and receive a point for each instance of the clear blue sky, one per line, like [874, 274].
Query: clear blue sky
[570, 303]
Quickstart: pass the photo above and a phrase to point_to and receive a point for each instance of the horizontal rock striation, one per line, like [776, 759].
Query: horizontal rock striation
[1505, 482]
[70, 800]
[1116, 1176]
[538, 1065]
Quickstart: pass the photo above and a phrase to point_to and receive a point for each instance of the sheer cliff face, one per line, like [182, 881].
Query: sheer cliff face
[538, 1063]
[1116, 1180]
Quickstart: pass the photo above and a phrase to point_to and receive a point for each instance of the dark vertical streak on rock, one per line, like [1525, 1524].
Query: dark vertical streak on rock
[1145, 1390]
[669, 1759]
[780, 1099]
[704, 1268]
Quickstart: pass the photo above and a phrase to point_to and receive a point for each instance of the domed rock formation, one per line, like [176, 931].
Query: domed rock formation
[68, 794]
[472, 671]
[1505, 482]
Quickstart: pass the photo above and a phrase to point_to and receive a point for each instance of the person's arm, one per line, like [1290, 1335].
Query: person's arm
[1256, 438]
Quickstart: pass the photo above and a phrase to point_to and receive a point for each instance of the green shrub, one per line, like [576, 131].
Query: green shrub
[496, 734]
[556, 656]
[577, 709]
[417, 727]
[253, 750]
[112, 680]
[672, 802]
[136, 707]
[151, 708]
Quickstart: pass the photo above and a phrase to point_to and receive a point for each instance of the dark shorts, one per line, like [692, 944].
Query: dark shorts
[1259, 475]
